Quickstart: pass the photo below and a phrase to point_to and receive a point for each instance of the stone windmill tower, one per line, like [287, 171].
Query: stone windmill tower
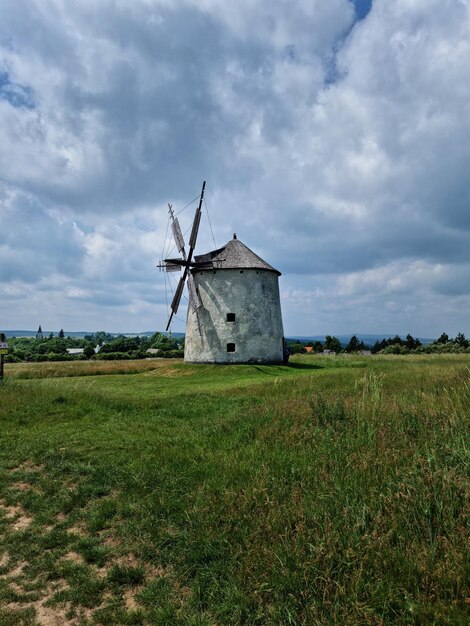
[234, 313]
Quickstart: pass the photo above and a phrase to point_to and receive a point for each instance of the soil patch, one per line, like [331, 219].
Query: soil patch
[27, 466]
[16, 514]
[129, 598]
[73, 557]
[22, 522]
[21, 486]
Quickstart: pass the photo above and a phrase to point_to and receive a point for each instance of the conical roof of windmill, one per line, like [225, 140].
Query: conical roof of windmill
[234, 255]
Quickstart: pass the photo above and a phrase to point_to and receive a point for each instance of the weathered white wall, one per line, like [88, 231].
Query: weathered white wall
[253, 295]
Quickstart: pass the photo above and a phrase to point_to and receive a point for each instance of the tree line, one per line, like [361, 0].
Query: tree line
[98, 346]
[444, 344]
[333, 344]
[392, 345]
[104, 346]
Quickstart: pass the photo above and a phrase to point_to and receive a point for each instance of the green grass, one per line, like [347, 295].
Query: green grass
[330, 491]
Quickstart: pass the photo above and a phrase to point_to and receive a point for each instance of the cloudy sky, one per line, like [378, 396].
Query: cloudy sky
[334, 137]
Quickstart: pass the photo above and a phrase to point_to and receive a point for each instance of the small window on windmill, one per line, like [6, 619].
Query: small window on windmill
[230, 317]
[230, 347]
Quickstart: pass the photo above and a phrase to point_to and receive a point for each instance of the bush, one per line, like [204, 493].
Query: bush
[112, 356]
[296, 347]
[88, 351]
[20, 354]
[172, 354]
[395, 348]
[137, 354]
[11, 358]
[120, 345]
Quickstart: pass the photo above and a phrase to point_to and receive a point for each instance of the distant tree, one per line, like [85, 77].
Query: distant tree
[318, 346]
[332, 343]
[144, 343]
[61, 333]
[164, 343]
[377, 347]
[51, 335]
[392, 341]
[89, 350]
[461, 341]
[412, 343]
[54, 345]
[354, 345]
[296, 347]
[444, 338]
[99, 337]
[120, 344]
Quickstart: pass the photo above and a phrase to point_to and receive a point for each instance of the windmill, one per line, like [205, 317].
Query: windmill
[234, 313]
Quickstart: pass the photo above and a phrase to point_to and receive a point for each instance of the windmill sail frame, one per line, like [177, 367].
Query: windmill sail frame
[178, 236]
[173, 265]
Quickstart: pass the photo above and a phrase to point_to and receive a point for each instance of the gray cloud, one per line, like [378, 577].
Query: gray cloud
[134, 102]
[34, 242]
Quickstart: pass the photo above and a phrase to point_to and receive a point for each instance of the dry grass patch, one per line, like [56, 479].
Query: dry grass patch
[22, 522]
[73, 557]
[78, 529]
[16, 515]
[27, 466]
[22, 486]
[112, 542]
[46, 615]
[69, 369]
[129, 598]
[53, 616]
[15, 572]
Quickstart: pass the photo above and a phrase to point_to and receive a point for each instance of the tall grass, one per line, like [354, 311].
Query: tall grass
[334, 491]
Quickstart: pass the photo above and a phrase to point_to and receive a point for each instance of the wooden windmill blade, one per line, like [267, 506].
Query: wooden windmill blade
[178, 236]
[177, 297]
[194, 300]
[195, 229]
[178, 293]
[196, 222]
[174, 265]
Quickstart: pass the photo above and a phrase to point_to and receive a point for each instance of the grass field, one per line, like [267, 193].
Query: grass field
[330, 491]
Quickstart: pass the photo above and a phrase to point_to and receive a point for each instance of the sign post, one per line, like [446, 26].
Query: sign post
[3, 350]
